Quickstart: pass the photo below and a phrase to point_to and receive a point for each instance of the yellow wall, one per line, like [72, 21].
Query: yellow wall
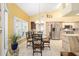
[14, 10]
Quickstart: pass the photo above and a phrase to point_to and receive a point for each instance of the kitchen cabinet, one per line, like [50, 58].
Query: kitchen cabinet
[70, 42]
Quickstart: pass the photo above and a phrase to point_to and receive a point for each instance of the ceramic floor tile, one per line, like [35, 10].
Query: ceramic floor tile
[54, 50]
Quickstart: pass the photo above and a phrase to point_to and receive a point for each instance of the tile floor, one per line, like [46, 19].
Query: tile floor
[54, 50]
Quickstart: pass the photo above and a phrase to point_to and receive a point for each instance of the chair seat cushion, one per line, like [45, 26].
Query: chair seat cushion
[29, 40]
[46, 41]
[37, 45]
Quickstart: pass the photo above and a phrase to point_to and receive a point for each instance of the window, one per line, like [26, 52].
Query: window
[20, 27]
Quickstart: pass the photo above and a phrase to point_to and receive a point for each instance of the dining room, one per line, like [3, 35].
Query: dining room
[42, 29]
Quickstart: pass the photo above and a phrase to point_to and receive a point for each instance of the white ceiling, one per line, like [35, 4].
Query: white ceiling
[35, 8]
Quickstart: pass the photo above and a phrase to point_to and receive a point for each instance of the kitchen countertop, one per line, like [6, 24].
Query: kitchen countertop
[70, 34]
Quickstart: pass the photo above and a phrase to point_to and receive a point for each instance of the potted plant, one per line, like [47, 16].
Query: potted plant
[14, 44]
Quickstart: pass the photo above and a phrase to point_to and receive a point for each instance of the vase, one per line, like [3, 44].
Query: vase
[14, 46]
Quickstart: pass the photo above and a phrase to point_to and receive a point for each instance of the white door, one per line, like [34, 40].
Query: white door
[4, 18]
[6, 32]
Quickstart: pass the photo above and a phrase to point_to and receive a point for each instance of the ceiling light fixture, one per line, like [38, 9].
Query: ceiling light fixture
[49, 16]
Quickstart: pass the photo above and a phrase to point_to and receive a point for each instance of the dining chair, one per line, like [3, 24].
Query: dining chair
[46, 41]
[37, 43]
[29, 38]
